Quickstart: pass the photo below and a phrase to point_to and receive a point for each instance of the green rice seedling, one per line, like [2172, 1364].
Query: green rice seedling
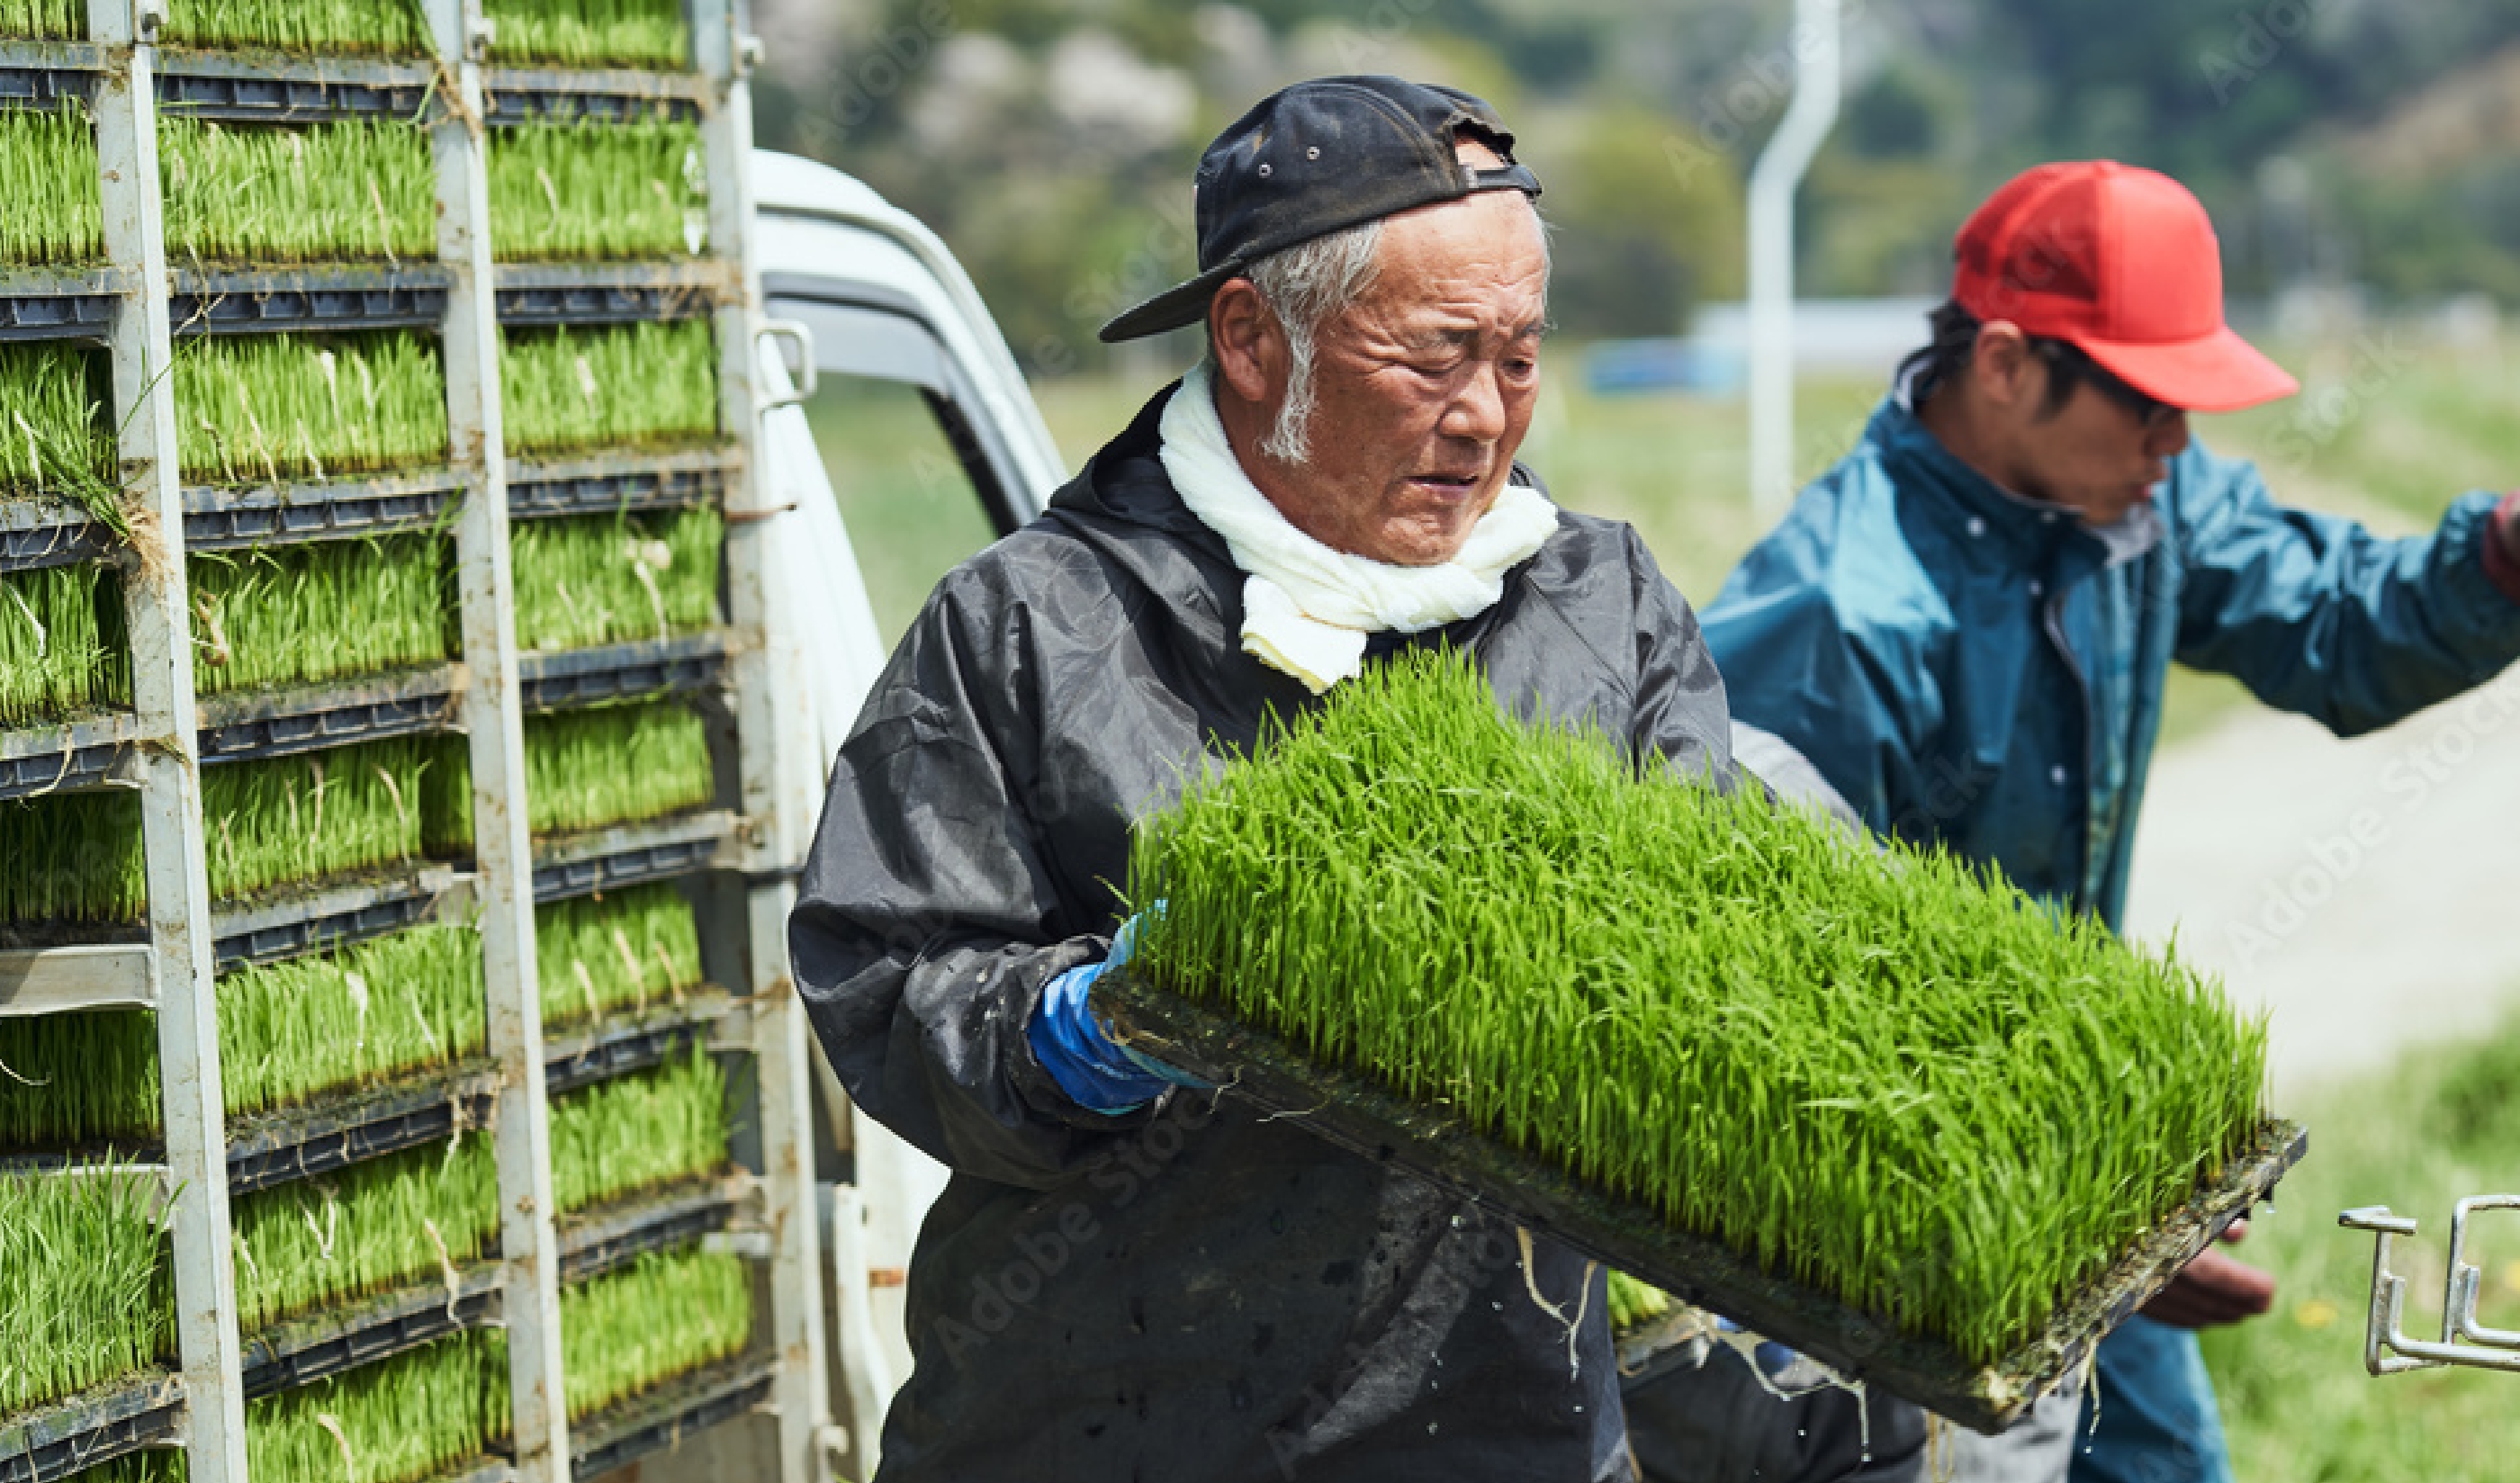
[280, 615]
[296, 818]
[377, 1009]
[360, 191]
[647, 385]
[54, 439]
[595, 955]
[384, 1224]
[616, 579]
[62, 653]
[49, 176]
[71, 858]
[288, 1032]
[43, 19]
[1885, 1077]
[156, 1465]
[596, 190]
[667, 1314]
[368, 27]
[591, 32]
[273, 407]
[394, 1421]
[615, 764]
[634, 1133]
[84, 1293]
[1634, 1302]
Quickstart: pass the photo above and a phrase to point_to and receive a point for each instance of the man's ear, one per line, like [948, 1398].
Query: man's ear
[2006, 370]
[1250, 344]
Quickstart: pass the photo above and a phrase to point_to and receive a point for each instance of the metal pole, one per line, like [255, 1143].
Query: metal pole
[778, 815]
[1774, 181]
[494, 722]
[161, 683]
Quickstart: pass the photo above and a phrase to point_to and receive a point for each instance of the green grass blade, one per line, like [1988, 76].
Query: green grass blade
[364, 190]
[259, 408]
[386, 28]
[624, 950]
[616, 579]
[591, 32]
[619, 1137]
[367, 1229]
[665, 1314]
[598, 190]
[628, 386]
[84, 1291]
[63, 650]
[48, 172]
[325, 611]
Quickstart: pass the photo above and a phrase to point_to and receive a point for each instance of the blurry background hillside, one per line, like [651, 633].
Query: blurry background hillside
[2359, 154]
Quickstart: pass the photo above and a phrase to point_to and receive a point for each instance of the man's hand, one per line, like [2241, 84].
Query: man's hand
[2214, 1290]
[2512, 528]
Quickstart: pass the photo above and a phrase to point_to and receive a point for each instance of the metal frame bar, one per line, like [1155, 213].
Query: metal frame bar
[494, 721]
[778, 814]
[2464, 1341]
[162, 671]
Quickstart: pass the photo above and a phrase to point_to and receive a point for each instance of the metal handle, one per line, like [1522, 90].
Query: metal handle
[2386, 1349]
[807, 375]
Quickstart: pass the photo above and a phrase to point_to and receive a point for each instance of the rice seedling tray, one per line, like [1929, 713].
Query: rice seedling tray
[1358, 1116]
[537, 294]
[231, 518]
[633, 1043]
[597, 1242]
[302, 1351]
[51, 759]
[611, 95]
[606, 484]
[615, 671]
[267, 87]
[57, 303]
[42, 73]
[632, 854]
[40, 533]
[77, 1433]
[60, 980]
[244, 726]
[337, 915]
[661, 1418]
[270, 301]
[302, 1142]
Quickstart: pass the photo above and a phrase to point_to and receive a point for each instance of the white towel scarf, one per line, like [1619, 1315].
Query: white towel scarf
[1307, 609]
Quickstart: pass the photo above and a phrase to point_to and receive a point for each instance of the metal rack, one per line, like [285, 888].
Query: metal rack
[748, 853]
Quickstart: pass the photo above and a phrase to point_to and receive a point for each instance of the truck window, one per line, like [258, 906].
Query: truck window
[912, 511]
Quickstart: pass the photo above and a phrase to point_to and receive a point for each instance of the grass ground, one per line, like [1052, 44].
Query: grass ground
[2299, 1408]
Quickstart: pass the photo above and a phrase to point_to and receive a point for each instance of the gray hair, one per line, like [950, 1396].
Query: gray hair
[1306, 286]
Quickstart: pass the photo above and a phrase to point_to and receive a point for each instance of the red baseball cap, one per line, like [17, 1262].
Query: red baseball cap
[2122, 263]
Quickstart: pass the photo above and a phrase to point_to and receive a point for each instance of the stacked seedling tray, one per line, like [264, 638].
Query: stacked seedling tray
[401, 1074]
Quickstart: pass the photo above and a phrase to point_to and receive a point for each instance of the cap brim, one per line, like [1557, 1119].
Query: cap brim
[1181, 304]
[2220, 372]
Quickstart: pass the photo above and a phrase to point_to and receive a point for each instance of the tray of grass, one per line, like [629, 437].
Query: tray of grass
[49, 176]
[639, 1133]
[627, 950]
[299, 27]
[520, 96]
[1871, 1105]
[363, 190]
[281, 407]
[100, 1434]
[618, 386]
[24, 21]
[302, 1352]
[401, 1421]
[592, 191]
[85, 1299]
[632, 854]
[368, 1229]
[591, 33]
[589, 769]
[223, 518]
[654, 1319]
[280, 723]
[63, 652]
[298, 616]
[689, 664]
[614, 483]
[327, 299]
[668, 1417]
[335, 916]
[66, 758]
[57, 463]
[274, 1149]
[603, 1237]
[531, 297]
[617, 578]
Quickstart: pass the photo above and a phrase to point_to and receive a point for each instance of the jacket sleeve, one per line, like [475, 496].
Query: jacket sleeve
[927, 924]
[1793, 667]
[2317, 615]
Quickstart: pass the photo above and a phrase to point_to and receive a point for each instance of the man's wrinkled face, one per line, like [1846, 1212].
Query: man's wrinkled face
[1427, 385]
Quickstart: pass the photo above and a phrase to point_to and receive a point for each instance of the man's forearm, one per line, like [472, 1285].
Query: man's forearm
[2503, 546]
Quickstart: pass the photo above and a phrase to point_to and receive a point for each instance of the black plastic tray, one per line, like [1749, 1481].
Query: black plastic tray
[543, 489]
[72, 1435]
[659, 1420]
[632, 854]
[550, 681]
[35, 533]
[514, 95]
[1358, 1116]
[268, 87]
[331, 914]
[609, 1237]
[218, 518]
[57, 304]
[300, 1142]
[254, 725]
[64, 759]
[536, 294]
[309, 299]
[302, 1351]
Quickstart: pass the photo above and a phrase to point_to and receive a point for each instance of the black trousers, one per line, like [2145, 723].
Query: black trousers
[1717, 1424]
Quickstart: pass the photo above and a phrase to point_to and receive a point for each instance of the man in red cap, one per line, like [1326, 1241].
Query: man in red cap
[1967, 623]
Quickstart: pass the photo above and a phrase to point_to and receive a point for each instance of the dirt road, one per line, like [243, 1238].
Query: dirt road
[2368, 891]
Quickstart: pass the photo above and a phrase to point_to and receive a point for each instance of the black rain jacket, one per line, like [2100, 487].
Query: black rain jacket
[1186, 1294]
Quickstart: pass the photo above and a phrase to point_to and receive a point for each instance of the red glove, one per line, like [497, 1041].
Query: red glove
[2214, 1290]
[2502, 548]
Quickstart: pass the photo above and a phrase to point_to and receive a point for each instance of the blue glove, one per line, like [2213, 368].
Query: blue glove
[1097, 1073]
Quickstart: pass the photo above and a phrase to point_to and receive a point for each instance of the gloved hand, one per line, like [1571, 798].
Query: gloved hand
[1067, 1038]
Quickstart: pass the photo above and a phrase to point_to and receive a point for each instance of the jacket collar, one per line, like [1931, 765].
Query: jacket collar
[1978, 515]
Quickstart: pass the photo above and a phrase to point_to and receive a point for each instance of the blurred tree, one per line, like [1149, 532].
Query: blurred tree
[1643, 227]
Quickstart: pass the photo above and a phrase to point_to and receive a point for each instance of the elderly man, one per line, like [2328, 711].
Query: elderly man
[1966, 626]
[1125, 1279]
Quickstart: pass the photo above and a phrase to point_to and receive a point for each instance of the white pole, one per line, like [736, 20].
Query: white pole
[1773, 182]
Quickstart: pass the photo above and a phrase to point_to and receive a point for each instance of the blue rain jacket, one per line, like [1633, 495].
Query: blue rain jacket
[1982, 672]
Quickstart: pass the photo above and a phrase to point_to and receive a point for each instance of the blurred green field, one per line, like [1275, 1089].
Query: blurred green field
[2297, 1404]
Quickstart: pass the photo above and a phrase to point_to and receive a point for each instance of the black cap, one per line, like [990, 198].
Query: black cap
[1318, 158]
